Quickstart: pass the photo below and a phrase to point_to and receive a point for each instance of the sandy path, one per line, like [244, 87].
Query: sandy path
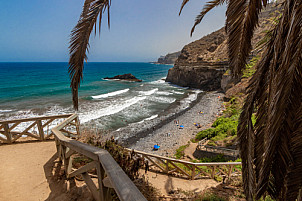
[22, 175]
[166, 183]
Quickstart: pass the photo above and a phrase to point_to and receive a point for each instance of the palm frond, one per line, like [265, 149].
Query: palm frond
[251, 138]
[184, 2]
[242, 19]
[209, 6]
[294, 179]
[277, 155]
[79, 42]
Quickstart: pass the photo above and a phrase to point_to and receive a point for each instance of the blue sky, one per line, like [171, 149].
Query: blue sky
[38, 30]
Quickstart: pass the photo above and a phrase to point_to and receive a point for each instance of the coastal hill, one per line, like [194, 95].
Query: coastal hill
[202, 63]
[168, 59]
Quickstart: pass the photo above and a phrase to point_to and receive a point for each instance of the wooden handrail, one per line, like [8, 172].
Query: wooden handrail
[35, 118]
[34, 128]
[109, 174]
[103, 162]
[188, 169]
[220, 148]
[182, 161]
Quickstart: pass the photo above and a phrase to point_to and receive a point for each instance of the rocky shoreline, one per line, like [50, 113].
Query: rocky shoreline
[168, 135]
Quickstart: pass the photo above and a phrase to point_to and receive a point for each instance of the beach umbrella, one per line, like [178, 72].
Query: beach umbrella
[181, 126]
[156, 146]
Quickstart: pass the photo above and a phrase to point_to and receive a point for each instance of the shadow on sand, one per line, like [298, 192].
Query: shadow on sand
[63, 189]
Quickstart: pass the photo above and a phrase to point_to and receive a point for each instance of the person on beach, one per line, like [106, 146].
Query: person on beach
[156, 147]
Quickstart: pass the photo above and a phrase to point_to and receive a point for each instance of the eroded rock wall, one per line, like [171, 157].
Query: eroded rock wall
[206, 76]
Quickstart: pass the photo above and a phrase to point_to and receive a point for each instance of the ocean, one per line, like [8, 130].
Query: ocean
[38, 89]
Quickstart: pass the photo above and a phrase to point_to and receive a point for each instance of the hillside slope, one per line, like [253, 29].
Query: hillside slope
[203, 62]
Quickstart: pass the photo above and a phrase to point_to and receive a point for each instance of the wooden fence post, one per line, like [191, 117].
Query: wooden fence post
[101, 174]
[167, 166]
[7, 133]
[193, 172]
[77, 122]
[213, 172]
[40, 129]
[230, 171]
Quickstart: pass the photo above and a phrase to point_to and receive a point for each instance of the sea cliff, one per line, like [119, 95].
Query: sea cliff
[206, 76]
[202, 64]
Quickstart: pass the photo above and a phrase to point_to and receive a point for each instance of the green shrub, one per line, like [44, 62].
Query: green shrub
[180, 151]
[222, 128]
[212, 143]
[208, 133]
[250, 67]
[211, 197]
[218, 158]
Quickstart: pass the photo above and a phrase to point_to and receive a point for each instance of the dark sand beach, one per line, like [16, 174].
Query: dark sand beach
[167, 133]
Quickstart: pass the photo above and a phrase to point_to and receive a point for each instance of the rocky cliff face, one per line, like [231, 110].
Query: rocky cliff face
[168, 59]
[205, 76]
[195, 68]
[202, 63]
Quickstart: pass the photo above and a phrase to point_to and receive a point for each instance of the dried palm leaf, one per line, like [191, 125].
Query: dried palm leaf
[294, 179]
[242, 19]
[209, 6]
[184, 2]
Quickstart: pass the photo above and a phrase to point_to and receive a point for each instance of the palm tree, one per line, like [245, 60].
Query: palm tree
[271, 150]
[79, 42]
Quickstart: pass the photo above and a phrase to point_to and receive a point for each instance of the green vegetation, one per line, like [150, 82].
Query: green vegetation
[224, 126]
[218, 158]
[250, 67]
[211, 197]
[180, 151]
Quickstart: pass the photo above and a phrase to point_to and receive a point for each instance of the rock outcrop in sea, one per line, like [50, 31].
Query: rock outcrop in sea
[127, 77]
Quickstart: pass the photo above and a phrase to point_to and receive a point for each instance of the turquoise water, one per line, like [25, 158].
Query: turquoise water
[35, 89]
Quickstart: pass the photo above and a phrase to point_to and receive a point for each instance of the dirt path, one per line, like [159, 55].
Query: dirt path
[31, 172]
[22, 174]
[189, 151]
[168, 184]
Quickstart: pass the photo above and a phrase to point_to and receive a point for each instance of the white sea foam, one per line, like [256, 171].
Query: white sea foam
[112, 109]
[191, 97]
[110, 94]
[149, 118]
[3, 111]
[176, 86]
[162, 99]
[148, 93]
[152, 117]
[160, 81]
[165, 93]
[178, 92]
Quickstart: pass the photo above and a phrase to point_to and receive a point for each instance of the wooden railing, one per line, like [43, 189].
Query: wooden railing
[188, 169]
[202, 142]
[37, 128]
[110, 175]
